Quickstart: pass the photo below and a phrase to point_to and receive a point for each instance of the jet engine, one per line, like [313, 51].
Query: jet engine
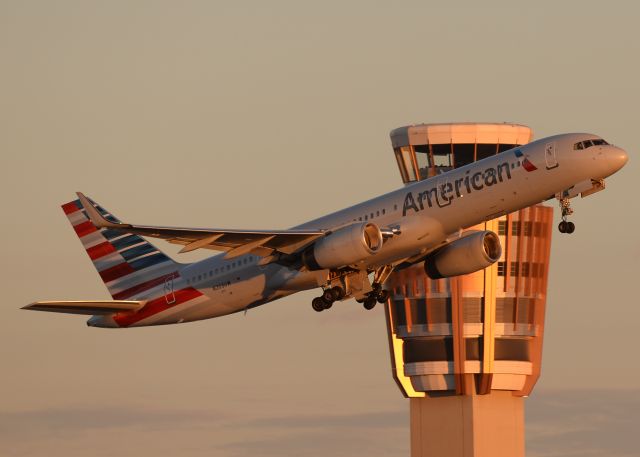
[468, 254]
[344, 246]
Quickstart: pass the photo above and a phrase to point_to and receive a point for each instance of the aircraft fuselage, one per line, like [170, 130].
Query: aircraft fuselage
[426, 214]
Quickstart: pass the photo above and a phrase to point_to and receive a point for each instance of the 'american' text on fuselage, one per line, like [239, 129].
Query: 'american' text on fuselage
[444, 193]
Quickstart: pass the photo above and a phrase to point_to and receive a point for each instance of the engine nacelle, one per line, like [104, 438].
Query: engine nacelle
[343, 247]
[465, 255]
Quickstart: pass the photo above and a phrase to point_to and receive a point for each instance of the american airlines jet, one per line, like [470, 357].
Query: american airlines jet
[348, 254]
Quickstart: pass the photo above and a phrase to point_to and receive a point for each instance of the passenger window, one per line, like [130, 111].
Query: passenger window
[395, 207]
[360, 218]
[366, 218]
[371, 215]
[382, 210]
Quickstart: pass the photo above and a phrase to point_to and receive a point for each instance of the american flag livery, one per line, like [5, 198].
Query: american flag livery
[526, 163]
[132, 268]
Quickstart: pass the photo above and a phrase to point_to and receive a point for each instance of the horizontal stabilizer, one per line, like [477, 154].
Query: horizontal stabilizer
[93, 307]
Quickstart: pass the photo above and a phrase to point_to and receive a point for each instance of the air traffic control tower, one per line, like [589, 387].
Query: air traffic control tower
[467, 349]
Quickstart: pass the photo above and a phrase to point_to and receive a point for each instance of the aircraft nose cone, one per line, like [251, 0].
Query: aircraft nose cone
[618, 158]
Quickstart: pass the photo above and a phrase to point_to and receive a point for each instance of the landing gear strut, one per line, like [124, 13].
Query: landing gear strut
[328, 297]
[566, 226]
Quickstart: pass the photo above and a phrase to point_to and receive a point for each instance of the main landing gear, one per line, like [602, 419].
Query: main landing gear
[377, 295]
[354, 284]
[325, 301]
[566, 226]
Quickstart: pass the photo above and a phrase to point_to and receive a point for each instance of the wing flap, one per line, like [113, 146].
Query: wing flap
[90, 307]
[262, 242]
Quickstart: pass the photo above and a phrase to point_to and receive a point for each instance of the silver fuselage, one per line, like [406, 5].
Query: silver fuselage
[427, 213]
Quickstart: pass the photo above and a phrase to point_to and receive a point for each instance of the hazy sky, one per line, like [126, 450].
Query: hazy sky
[264, 115]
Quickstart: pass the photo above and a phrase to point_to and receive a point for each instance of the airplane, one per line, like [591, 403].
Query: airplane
[348, 254]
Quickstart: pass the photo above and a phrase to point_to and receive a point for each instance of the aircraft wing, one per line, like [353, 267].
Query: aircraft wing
[93, 307]
[235, 242]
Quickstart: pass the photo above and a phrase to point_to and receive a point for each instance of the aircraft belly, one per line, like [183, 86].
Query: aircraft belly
[236, 297]
[289, 279]
[213, 302]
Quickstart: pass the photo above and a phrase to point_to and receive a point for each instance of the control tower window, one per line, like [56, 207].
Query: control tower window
[405, 163]
[441, 155]
[423, 159]
[485, 150]
[463, 154]
[505, 147]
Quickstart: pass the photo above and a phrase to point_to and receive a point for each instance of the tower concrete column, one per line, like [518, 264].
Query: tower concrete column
[468, 425]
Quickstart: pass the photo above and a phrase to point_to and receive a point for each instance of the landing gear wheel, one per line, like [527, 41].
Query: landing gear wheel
[566, 210]
[383, 296]
[566, 227]
[369, 303]
[327, 296]
[318, 304]
[338, 293]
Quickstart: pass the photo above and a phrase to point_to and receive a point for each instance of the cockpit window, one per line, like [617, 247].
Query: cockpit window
[588, 143]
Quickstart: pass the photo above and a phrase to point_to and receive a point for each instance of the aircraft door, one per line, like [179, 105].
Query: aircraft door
[550, 156]
[169, 295]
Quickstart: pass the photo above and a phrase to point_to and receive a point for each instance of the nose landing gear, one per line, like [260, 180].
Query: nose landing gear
[566, 226]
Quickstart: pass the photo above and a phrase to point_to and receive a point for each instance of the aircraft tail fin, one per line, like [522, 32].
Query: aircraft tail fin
[130, 266]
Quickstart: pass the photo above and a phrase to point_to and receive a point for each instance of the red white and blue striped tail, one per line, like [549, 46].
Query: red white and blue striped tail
[131, 267]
